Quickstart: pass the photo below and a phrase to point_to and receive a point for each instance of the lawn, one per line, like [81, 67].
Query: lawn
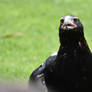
[29, 32]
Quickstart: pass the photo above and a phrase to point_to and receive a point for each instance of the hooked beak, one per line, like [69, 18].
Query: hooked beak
[68, 23]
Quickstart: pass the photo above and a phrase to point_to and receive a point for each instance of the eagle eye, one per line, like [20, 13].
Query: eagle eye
[62, 21]
[76, 20]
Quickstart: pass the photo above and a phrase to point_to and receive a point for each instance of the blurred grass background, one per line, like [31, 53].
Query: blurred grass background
[29, 32]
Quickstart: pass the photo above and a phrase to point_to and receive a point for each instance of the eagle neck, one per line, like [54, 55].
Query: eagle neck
[70, 45]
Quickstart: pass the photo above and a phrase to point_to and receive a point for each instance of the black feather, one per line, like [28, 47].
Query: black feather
[70, 70]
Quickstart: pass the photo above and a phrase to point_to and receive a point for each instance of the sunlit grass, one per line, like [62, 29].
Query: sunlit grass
[36, 24]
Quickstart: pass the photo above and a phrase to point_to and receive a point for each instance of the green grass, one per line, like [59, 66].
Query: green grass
[37, 21]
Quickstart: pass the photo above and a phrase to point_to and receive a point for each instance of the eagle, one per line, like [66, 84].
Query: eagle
[70, 70]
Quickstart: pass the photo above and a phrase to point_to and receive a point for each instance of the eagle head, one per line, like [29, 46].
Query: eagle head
[70, 22]
[70, 28]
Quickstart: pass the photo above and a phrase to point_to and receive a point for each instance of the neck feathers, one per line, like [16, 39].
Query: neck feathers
[69, 45]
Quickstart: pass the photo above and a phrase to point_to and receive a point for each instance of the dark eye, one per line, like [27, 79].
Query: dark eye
[62, 21]
[76, 20]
